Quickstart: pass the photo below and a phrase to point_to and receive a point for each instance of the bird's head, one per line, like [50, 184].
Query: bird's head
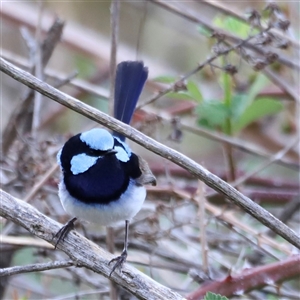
[83, 150]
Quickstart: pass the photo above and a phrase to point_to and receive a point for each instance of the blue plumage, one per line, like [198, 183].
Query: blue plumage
[80, 163]
[130, 79]
[102, 179]
[98, 139]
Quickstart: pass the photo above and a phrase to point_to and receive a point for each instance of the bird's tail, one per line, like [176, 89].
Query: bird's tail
[130, 79]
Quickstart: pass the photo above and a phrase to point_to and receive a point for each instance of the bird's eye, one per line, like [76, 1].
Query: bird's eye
[93, 152]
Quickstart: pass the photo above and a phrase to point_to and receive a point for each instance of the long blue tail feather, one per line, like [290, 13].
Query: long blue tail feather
[130, 79]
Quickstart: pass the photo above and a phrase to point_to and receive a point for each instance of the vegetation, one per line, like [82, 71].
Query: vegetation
[217, 122]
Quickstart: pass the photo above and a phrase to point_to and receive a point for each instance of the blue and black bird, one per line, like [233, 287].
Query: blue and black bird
[102, 179]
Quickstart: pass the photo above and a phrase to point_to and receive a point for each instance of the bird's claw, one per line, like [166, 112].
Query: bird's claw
[62, 232]
[119, 261]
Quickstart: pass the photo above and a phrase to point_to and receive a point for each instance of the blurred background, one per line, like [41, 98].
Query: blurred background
[237, 115]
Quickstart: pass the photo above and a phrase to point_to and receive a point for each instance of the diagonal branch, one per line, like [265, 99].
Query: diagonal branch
[178, 158]
[81, 251]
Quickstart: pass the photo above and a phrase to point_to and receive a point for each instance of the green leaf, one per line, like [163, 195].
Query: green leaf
[212, 114]
[85, 66]
[165, 79]
[259, 83]
[204, 31]
[227, 86]
[194, 91]
[212, 296]
[233, 25]
[180, 95]
[258, 109]
[239, 103]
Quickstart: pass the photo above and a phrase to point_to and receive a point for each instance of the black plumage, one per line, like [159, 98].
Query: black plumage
[102, 179]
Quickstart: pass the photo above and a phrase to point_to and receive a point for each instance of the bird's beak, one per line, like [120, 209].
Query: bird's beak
[110, 152]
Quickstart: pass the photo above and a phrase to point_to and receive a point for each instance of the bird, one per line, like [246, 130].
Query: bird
[102, 180]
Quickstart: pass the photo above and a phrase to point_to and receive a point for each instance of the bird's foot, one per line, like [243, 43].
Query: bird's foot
[63, 232]
[119, 261]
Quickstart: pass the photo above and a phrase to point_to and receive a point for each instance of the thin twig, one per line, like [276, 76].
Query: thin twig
[115, 15]
[267, 163]
[190, 15]
[81, 84]
[36, 267]
[202, 220]
[225, 9]
[24, 241]
[223, 138]
[53, 37]
[38, 72]
[230, 218]
[114, 19]
[262, 166]
[32, 193]
[21, 117]
[78, 295]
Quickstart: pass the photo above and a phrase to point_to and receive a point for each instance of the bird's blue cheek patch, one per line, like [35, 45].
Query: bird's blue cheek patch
[121, 154]
[126, 147]
[82, 162]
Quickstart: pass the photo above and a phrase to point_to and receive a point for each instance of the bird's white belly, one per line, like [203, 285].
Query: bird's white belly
[125, 208]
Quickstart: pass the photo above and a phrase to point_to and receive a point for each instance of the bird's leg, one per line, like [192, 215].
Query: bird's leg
[122, 258]
[62, 233]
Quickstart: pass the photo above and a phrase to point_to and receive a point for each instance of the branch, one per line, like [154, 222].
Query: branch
[239, 15]
[253, 278]
[114, 21]
[187, 14]
[194, 168]
[35, 267]
[82, 252]
[192, 17]
[259, 239]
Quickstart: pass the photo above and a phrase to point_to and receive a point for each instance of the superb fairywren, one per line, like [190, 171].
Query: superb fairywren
[102, 179]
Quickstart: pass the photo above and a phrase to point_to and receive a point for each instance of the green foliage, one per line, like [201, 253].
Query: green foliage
[230, 24]
[258, 109]
[194, 92]
[183, 95]
[259, 82]
[238, 109]
[212, 296]
[165, 79]
[235, 111]
[85, 66]
[212, 114]
[233, 25]
[272, 297]
[204, 31]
